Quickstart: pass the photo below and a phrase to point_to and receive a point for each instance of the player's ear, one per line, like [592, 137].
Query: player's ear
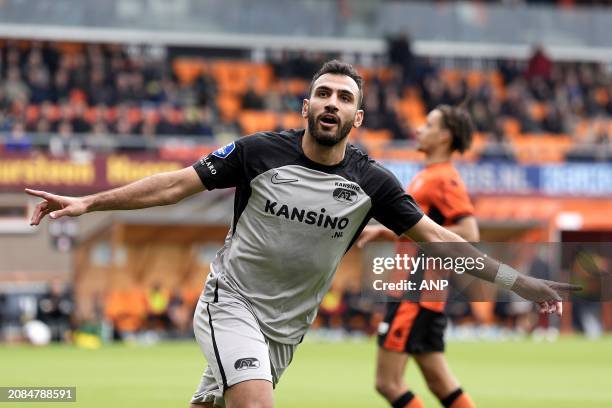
[305, 105]
[446, 136]
[358, 118]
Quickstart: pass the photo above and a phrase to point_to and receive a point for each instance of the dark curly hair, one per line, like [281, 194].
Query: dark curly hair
[459, 123]
[340, 68]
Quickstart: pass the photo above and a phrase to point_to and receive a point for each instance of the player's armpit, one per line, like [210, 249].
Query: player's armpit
[426, 230]
[375, 233]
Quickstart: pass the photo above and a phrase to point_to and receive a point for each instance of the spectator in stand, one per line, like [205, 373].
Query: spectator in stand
[18, 140]
[251, 99]
[14, 86]
[168, 124]
[148, 126]
[61, 86]
[38, 81]
[227, 129]
[539, 65]
[65, 142]
[400, 54]
[126, 309]
[206, 90]
[158, 300]
[205, 126]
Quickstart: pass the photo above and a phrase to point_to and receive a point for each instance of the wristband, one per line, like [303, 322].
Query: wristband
[506, 276]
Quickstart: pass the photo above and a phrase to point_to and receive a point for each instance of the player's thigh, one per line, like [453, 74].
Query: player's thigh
[436, 372]
[390, 366]
[250, 394]
[234, 347]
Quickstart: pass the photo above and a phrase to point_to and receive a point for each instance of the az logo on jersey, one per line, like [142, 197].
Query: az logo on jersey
[344, 195]
[224, 151]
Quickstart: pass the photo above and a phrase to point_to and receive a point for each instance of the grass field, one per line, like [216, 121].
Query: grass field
[572, 372]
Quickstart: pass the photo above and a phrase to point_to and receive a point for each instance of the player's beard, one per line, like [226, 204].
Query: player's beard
[327, 138]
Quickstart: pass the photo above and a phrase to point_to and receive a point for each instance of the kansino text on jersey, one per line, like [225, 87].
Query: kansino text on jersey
[320, 219]
[405, 285]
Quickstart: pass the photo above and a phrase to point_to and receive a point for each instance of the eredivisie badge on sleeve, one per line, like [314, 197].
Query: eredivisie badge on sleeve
[224, 151]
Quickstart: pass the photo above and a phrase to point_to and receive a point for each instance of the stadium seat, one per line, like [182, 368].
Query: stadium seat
[229, 105]
[292, 120]
[187, 69]
[253, 121]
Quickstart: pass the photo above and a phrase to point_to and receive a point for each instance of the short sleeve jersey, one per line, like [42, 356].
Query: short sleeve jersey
[440, 192]
[293, 221]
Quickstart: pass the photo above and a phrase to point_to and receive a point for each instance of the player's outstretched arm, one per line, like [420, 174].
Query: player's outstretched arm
[543, 292]
[159, 189]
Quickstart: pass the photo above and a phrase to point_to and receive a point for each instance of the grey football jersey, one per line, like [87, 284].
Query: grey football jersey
[293, 221]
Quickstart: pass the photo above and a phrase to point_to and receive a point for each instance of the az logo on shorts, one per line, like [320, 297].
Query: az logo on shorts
[246, 363]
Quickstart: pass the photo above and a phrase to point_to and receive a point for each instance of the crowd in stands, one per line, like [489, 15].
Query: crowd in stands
[70, 90]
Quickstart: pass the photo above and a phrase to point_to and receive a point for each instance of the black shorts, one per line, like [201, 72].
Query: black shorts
[410, 328]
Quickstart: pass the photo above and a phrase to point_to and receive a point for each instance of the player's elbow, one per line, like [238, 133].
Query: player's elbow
[471, 235]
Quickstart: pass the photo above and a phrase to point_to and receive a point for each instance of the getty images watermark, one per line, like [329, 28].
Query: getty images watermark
[410, 265]
[422, 272]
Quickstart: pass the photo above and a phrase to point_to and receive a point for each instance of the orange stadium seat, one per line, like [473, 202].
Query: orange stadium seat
[296, 86]
[371, 137]
[537, 110]
[475, 78]
[253, 121]
[582, 130]
[292, 120]
[90, 114]
[262, 76]
[232, 76]
[396, 154]
[187, 69]
[451, 76]
[229, 105]
[601, 96]
[111, 115]
[541, 147]
[134, 115]
[511, 127]
[497, 82]
[412, 110]
[32, 113]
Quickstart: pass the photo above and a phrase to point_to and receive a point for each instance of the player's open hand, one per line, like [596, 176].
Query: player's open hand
[544, 292]
[55, 206]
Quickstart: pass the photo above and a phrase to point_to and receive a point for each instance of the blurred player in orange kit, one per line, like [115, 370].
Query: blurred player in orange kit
[417, 328]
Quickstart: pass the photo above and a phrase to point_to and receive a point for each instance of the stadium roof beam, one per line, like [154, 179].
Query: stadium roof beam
[448, 49]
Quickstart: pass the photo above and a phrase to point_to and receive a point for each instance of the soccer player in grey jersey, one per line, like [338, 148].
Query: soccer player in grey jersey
[302, 198]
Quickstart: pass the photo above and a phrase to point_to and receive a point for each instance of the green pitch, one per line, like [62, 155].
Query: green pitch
[572, 372]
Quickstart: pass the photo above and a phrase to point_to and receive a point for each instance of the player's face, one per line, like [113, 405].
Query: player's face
[333, 109]
[431, 134]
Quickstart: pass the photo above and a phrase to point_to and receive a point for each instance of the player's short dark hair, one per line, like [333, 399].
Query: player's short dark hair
[459, 123]
[340, 68]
